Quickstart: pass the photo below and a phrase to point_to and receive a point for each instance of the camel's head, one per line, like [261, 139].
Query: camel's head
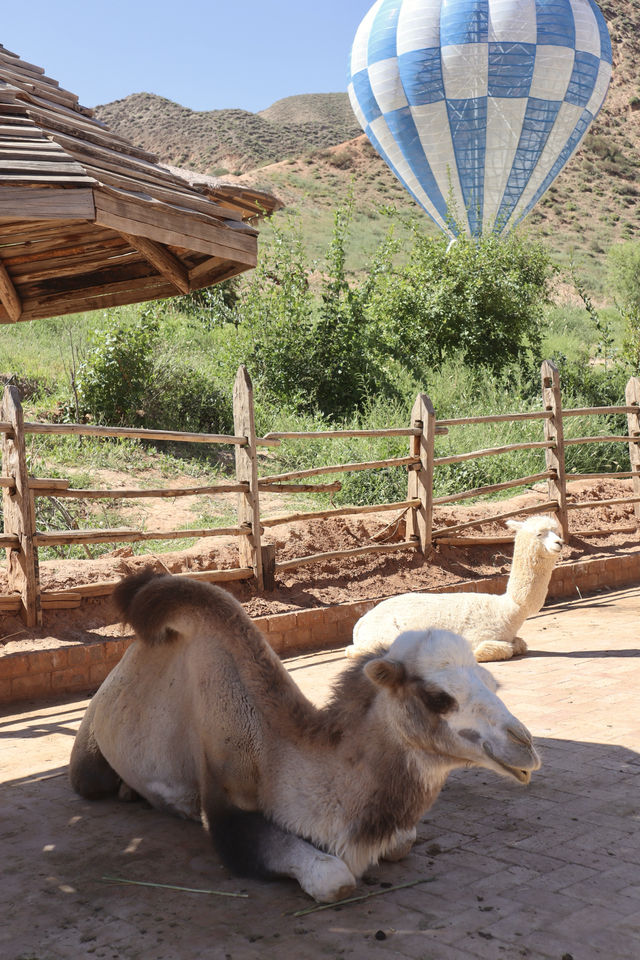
[542, 534]
[441, 701]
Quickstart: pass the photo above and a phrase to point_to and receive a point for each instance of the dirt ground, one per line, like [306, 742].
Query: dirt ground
[546, 872]
[329, 582]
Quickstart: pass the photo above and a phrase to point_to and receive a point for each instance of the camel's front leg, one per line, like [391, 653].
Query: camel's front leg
[252, 846]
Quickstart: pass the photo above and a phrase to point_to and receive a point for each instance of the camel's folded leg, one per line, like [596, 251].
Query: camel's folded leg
[250, 845]
[401, 846]
[499, 649]
[90, 774]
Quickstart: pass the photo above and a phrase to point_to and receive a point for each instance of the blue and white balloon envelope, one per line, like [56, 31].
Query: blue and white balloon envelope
[476, 105]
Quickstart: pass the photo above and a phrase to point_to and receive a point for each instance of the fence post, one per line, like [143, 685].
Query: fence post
[420, 519]
[554, 430]
[19, 512]
[633, 419]
[247, 471]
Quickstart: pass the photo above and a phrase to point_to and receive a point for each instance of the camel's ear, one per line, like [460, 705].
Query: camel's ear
[386, 673]
[515, 524]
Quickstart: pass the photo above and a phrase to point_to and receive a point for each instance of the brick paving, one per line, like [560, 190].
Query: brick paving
[549, 871]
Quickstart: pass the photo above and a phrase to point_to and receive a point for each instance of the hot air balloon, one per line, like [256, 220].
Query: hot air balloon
[476, 105]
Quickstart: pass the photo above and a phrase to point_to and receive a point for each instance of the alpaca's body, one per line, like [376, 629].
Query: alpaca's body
[489, 622]
[201, 718]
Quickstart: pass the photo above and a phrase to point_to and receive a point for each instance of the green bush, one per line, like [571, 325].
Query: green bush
[112, 379]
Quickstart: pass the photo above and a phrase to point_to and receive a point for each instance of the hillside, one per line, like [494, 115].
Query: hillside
[231, 141]
[307, 150]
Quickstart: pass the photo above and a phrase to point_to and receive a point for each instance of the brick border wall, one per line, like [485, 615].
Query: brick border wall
[76, 669]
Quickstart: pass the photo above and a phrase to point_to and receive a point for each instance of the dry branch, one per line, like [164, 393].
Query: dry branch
[548, 506]
[122, 535]
[479, 491]
[473, 454]
[341, 468]
[340, 512]
[358, 551]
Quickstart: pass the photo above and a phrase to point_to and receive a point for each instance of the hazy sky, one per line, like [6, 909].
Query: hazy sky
[205, 55]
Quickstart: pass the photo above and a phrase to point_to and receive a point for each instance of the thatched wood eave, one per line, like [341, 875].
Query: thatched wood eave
[88, 220]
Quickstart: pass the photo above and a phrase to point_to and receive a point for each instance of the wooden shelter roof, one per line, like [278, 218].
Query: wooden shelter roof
[88, 220]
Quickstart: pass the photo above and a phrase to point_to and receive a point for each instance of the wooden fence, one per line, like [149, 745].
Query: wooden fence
[22, 539]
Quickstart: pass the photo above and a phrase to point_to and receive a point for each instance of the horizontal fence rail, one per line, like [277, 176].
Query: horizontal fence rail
[257, 561]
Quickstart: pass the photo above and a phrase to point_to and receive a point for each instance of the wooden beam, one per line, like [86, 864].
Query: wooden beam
[32, 203]
[162, 260]
[9, 295]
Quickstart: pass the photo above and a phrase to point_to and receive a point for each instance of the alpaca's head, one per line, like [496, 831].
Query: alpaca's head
[541, 534]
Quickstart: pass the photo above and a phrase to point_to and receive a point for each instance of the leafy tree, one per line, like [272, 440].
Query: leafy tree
[624, 274]
[483, 298]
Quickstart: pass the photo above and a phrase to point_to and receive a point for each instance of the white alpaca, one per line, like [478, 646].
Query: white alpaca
[489, 622]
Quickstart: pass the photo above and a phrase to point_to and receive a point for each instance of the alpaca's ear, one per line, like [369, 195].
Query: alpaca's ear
[515, 524]
[386, 673]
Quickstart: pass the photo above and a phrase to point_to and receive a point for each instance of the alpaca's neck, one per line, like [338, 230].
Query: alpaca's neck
[529, 579]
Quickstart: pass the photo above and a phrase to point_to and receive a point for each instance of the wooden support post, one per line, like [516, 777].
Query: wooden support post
[247, 471]
[19, 512]
[633, 419]
[420, 519]
[554, 430]
[269, 566]
[9, 295]
[162, 260]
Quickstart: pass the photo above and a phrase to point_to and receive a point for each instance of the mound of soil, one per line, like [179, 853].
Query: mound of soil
[333, 581]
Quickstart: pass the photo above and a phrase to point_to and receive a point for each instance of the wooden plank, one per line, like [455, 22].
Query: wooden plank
[74, 265]
[19, 513]
[162, 260]
[356, 552]
[10, 541]
[493, 488]
[574, 441]
[494, 418]
[174, 228]
[46, 204]
[163, 212]
[550, 506]
[103, 588]
[337, 434]
[588, 411]
[9, 295]
[84, 429]
[300, 487]
[632, 396]
[216, 247]
[493, 451]
[175, 193]
[77, 493]
[124, 535]
[340, 468]
[250, 549]
[590, 504]
[340, 512]
[599, 476]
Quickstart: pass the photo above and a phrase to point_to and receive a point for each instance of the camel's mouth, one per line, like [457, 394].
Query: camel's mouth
[518, 773]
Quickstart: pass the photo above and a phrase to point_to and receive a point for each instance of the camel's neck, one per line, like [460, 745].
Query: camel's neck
[529, 579]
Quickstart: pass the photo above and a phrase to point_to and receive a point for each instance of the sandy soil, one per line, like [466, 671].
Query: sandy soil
[331, 582]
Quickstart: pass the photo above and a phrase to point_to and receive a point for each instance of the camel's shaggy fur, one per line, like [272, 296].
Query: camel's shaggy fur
[201, 718]
[489, 622]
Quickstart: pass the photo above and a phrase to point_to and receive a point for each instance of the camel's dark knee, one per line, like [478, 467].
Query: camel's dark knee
[90, 774]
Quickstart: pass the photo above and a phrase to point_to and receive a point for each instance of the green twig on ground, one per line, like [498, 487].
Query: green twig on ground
[364, 896]
[171, 886]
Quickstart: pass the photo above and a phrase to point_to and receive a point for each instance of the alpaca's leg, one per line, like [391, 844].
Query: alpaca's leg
[519, 646]
[493, 650]
[500, 649]
[401, 846]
